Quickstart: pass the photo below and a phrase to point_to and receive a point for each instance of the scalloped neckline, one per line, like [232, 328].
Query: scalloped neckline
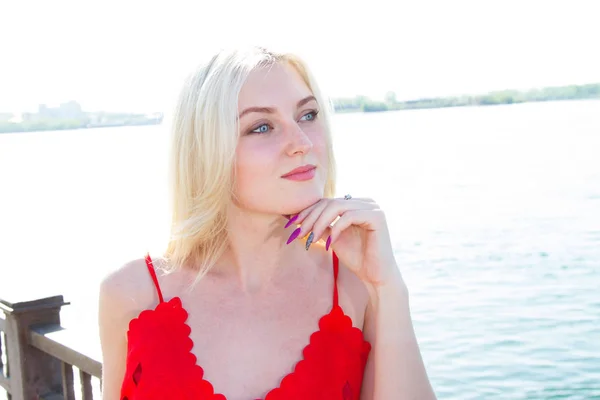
[221, 396]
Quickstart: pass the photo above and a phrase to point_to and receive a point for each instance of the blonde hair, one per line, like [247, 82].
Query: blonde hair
[204, 135]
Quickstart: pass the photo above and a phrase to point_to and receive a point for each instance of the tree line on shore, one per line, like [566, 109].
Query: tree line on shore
[37, 122]
[571, 92]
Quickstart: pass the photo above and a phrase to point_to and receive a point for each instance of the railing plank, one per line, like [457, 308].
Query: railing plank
[38, 304]
[86, 385]
[67, 381]
[65, 345]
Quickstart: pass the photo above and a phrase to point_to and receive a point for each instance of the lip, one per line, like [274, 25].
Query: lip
[305, 170]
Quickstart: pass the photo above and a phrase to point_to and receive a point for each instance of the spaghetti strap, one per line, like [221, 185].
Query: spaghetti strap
[150, 266]
[335, 276]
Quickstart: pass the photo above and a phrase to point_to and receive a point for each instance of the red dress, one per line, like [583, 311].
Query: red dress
[160, 365]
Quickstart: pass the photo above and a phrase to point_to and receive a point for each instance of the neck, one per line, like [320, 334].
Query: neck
[257, 248]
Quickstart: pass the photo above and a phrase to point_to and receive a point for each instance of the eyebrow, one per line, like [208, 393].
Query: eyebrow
[271, 110]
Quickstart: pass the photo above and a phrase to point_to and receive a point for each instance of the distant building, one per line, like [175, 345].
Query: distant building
[70, 110]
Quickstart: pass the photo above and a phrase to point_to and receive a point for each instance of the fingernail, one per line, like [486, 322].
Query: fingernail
[294, 235]
[309, 240]
[291, 221]
[328, 243]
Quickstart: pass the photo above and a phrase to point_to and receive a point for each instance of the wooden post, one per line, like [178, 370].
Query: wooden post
[33, 373]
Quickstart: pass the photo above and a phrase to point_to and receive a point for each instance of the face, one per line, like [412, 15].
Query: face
[280, 131]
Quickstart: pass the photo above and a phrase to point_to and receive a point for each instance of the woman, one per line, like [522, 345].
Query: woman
[270, 287]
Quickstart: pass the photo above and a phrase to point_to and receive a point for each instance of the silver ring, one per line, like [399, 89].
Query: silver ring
[347, 197]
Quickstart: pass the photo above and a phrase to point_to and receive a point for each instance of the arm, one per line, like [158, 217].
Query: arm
[361, 240]
[112, 328]
[395, 368]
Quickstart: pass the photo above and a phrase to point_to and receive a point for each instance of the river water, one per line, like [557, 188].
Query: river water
[494, 213]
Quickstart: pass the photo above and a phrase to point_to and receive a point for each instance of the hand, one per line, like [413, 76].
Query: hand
[360, 237]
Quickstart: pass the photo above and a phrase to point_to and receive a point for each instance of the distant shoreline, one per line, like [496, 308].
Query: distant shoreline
[341, 106]
[70, 116]
[557, 93]
[356, 111]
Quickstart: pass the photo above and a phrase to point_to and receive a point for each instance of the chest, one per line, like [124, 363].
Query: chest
[246, 345]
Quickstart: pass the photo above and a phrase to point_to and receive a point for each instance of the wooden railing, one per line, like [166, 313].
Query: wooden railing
[38, 356]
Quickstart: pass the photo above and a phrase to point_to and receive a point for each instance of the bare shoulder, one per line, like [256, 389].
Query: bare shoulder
[127, 290]
[124, 293]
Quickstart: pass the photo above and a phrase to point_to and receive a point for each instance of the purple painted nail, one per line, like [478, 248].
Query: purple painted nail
[328, 243]
[291, 221]
[294, 235]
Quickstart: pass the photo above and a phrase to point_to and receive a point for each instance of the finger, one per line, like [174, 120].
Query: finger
[307, 221]
[367, 219]
[297, 218]
[329, 216]
[309, 210]
[363, 199]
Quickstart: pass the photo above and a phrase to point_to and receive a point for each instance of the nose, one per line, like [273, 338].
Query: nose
[298, 140]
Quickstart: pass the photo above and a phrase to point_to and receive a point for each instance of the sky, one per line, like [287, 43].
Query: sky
[118, 55]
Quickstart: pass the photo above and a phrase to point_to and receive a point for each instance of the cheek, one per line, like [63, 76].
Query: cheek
[254, 169]
[319, 142]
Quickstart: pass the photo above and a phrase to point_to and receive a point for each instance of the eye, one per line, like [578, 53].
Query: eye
[309, 116]
[264, 128]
